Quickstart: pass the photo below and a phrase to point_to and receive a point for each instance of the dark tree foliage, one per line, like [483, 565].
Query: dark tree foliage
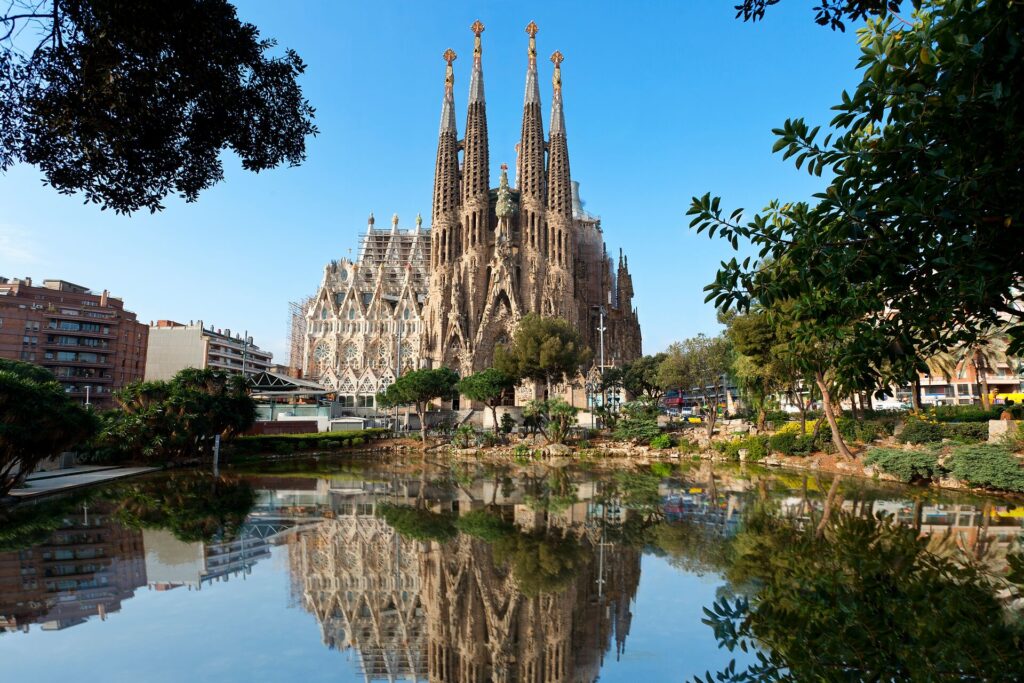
[129, 101]
[178, 419]
[864, 601]
[547, 350]
[419, 388]
[829, 13]
[417, 523]
[914, 244]
[194, 506]
[37, 420]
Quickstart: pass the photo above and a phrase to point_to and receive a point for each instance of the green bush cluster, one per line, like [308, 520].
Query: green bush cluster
[987, 466]
[661, 442]
[791, 443]
[687, 446]
[964, 413]
[918, 431]
[755, 445]
[907, 465]
[286, 444]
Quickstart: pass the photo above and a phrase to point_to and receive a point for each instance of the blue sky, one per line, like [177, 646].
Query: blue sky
[663, 101]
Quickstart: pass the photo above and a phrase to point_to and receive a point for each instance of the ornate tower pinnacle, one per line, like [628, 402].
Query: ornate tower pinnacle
[559, 182]
[448, 104]
[476, 82]
[530, 171]
[446, 171]
[475, 169]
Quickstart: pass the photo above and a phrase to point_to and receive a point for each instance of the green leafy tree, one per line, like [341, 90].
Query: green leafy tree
[638, 422]
[177, 419]
[37, 420]
[129, 102]
[544, 350]
[831, 13]
[754, 366]
[489, 387]
[553, 417]
[913, 246]
[418, 388]
[640, 377]
[699, 365]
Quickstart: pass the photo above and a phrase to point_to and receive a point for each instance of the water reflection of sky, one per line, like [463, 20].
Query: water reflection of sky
[262, 625]
[246, 631]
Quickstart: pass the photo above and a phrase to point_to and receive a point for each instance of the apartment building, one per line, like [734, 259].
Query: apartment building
[88, 341]
[175, 346]
[963, 387]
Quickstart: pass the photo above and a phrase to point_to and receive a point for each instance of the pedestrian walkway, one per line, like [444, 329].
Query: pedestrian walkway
[47, 483]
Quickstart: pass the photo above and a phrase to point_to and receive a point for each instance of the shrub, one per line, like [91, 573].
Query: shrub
[963, 413]
[907, 465]
[757, 447]
[805, 444]
[661, 442]
[920, 430]
[987, 466]
[521, 452]
[783, 442]
[686, 446]
[358, 441]
[965, 432]
[464, 436]
[507, 423]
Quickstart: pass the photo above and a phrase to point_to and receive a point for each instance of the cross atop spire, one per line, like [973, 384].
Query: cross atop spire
[556, 79]
[476, 80]
[531, 29]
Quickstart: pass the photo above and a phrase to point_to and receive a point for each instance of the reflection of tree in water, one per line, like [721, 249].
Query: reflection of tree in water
[500, 601]
[849, 596]
[195, 506]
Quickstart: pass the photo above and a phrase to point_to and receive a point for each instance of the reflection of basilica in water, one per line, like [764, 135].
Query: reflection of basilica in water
[448, 611]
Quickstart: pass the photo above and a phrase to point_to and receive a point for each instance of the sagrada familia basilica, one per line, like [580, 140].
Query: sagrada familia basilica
[449, 295]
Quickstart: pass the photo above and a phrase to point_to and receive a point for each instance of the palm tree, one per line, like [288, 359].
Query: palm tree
[987, 352]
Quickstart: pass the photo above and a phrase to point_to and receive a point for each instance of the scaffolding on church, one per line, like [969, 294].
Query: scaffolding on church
[295, 337]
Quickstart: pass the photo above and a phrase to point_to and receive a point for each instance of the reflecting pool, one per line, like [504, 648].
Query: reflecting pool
[354, 570]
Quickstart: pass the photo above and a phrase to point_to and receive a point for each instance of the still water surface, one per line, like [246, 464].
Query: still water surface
[524, 575]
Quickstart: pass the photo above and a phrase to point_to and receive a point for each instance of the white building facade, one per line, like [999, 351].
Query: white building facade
[363, 326]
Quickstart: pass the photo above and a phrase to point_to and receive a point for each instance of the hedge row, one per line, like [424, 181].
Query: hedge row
[286, 444]
[925, 431]
[980, 465]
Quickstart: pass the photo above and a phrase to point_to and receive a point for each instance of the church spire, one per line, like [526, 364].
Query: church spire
[446, 171]
[559, 180]
[475, 171]
[530, 179]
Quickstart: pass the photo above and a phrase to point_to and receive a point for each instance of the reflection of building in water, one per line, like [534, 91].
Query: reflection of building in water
[86, 568]
[361, 581]
[481, 627]
[171, 563]
[445, 612]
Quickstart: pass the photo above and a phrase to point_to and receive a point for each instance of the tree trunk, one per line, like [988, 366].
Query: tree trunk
[867, 403]
[981, 372]
[826, 400]
[829, 503]
[421, 410]
[853, 405]
[494, 416]
[712, 417]
[915, 394]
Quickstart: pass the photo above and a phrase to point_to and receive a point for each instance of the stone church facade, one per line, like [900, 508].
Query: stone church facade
[491, 256]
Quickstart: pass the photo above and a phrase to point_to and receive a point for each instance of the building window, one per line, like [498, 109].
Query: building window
[364, 401]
